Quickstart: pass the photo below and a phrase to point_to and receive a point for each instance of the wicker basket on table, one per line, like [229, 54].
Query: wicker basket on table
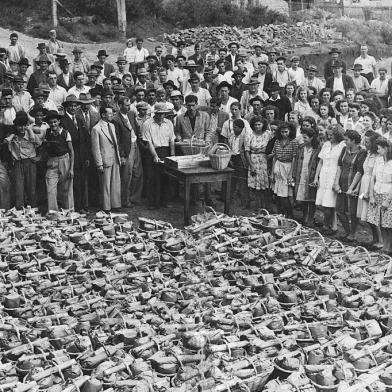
[220, 155]
[193, 146]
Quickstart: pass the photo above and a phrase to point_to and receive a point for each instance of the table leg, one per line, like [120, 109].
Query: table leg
[227, 194]
[187, 188]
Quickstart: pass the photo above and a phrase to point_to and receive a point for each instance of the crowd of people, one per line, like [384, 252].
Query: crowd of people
[77, 135]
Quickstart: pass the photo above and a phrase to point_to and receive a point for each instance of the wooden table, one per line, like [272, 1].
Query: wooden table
[200, 175]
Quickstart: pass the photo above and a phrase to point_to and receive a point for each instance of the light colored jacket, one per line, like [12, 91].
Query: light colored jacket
[104, 149]
[201, 131]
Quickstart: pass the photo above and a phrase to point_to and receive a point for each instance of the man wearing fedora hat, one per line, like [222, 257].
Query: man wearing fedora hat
[107, 67]
[89, 118]
[23, 67]
[238, 86]
[142, 81]
[15, 50]
[42, 52]
[40, 75]
[328, 70]
[81, 146]
[253, 90]
[159, 133]
[57, 93]
[339, 81]
[121, 65]
[54, 45]
[131, 171]
[360, 82]
[22, 145]
[79, 62]
[79, 87]
[21, 100]
[312, 80]
[105, 150]
[92, 79]
[60, 164]
[59, 57]
[66, 78]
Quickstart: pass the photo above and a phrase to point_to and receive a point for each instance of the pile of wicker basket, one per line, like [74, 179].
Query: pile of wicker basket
[228, 304]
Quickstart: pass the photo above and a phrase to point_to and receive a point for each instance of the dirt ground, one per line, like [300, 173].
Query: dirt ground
[173, 215]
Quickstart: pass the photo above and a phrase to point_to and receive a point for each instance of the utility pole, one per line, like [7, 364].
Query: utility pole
[122, 19]
[54, 13]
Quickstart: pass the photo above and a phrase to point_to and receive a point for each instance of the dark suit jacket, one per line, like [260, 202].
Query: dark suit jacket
[125, 133]
[94, 118]
[197, 61]
[328, 68]
[347, 82]
[283, 104]
[61, 81]
[35, 79]
[267, 82]
[108, 69]
[3, 70]
[80, 139]
[229, 65]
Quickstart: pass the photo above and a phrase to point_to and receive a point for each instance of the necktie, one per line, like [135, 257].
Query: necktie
[75, 122]
[87, 116]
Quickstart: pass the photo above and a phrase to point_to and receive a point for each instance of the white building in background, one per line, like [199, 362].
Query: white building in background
[276, 5]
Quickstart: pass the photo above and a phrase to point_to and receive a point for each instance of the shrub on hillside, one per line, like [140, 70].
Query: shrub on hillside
[216, 12]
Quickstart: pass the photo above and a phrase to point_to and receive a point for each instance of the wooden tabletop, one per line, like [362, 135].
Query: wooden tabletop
[200, 170]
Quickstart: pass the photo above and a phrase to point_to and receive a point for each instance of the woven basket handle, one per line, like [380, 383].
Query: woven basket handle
[216, 145]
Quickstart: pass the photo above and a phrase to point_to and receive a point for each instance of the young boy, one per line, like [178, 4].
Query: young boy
[22, 146]
[60, 165]
[238, 162]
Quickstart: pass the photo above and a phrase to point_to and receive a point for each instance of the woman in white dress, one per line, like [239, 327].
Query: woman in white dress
[325, 176]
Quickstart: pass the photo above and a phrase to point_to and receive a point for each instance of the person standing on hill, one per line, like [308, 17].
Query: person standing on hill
[15, 50]
[328, 70]
[368, 64]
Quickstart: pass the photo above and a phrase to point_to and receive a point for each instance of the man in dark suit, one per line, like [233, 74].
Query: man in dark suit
[279, 101]
[81, 145]
[339, 81]
[3, 67]
[39, 76]
[328, 71]
[107, 68]
[232, 56]
[89, 118]
[65, 79]
[131, 171]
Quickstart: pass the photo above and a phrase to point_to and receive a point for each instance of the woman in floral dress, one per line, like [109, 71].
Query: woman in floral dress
[255, 145]
[371, 160]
